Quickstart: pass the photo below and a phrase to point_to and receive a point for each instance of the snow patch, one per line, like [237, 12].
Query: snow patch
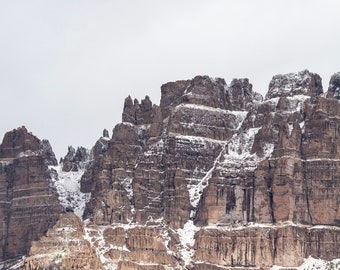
[302, 126]
[313, 264]
[68, 188]
[26, 154]
[290, 129]
[6, 162]
[240, 115]
[272, 101]
[195, 139]
[296, 103]
[239, 148]
[268, 149]
[240, 145]
[186, 237]
[127, 184]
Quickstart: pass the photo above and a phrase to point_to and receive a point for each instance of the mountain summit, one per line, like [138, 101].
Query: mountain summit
[215, 177]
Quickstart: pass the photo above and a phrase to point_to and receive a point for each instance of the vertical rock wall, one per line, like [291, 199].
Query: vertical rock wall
[28, 203]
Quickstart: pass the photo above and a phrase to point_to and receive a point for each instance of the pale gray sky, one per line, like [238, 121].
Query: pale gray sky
[67, 65]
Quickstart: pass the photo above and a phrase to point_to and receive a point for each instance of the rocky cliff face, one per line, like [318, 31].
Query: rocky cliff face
[63, 247]
[28, 204]
[66, 179]
[215, 177]
[214, 159]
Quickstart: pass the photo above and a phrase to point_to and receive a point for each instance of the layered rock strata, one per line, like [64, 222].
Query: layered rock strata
[28, 203]
[215, 177]
[214, 159]
[63, 247]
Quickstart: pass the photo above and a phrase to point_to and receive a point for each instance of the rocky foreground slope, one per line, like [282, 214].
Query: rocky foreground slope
[215, 177]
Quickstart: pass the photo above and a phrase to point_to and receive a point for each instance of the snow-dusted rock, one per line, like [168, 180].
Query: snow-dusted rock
[334, 86]
[215, 178]
[301, 83]
[63, 247]
[223, 158]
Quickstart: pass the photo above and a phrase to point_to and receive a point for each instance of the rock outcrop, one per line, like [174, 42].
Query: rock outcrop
[28, 203]
[75, 160]
[301, 83]
[334, 86]
[20, 143]
[215, 177]
[63, 247]
[216, 156]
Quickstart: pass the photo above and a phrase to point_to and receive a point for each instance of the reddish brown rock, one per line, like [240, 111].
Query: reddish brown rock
[265, 246]
[63, 247]
[29, 204]
[217, 178]
[334, 86]
[19, 142]
[75, 159]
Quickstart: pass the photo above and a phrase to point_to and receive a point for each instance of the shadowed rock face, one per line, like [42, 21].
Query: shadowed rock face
[334, 86]
[28, 204]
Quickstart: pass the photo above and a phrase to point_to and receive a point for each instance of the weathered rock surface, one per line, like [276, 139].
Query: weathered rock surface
[196, 121]
[215, 177]
[63, 247]
[220, 156]
[132, 247]
[28, 203]
[301, 83]
[19, 143]
[75, 159]
[334, 86]
[265, 246]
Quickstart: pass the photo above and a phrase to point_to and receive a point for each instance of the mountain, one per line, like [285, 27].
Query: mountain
[215, 177]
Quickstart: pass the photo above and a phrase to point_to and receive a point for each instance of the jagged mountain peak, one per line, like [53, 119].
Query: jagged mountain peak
[300, 83]
[214, 177]
[75, 159]
[20, 142]
[212, 92]
[200, 91]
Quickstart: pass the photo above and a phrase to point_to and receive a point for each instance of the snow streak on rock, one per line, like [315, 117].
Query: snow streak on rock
[127, 184]
[195, 191]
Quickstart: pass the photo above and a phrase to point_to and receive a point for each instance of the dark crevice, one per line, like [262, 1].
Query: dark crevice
[7, 211]
[269, 183]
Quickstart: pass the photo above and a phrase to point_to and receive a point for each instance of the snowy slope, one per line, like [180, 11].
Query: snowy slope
[68, 188]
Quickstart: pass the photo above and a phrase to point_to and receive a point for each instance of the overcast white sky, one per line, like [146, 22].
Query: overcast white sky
[66, 66]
